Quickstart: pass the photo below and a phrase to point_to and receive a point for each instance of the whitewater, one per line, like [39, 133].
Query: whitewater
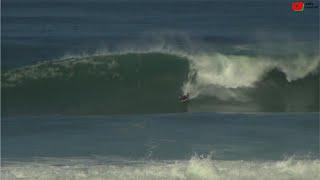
[197, 168]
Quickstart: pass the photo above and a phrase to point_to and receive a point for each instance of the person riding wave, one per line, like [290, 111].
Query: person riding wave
[184, 98]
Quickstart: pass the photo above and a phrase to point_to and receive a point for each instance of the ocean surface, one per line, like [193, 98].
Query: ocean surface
[89, 89]
[122, 57]
[162, 146]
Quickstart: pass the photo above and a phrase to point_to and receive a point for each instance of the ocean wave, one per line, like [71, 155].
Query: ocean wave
[230, 71]
[106, 83]
[197, 167]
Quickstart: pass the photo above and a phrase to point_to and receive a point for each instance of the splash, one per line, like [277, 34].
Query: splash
[211, 72]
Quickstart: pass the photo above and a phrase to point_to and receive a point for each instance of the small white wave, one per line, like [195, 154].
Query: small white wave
[197, 168]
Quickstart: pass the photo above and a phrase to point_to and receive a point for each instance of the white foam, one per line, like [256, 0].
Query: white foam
[203, 168]
[214, 71]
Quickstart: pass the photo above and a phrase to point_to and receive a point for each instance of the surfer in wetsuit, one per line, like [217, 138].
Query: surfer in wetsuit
[184, 98]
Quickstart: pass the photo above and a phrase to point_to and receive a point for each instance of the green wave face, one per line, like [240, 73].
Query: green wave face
[152, 82]
[129, 83]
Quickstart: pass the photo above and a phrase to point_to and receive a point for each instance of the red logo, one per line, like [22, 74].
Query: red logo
[297, 6]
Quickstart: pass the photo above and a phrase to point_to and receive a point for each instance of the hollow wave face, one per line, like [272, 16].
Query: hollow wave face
[151, 81]
[196, 168]
[112, 84]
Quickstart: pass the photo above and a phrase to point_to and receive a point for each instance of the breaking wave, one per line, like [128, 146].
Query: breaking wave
[151, 81]
[196, 168]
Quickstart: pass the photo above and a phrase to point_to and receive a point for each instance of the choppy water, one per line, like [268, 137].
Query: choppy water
[167, 146]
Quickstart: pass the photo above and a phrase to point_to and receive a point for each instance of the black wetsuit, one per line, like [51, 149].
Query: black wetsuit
[184, 97]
